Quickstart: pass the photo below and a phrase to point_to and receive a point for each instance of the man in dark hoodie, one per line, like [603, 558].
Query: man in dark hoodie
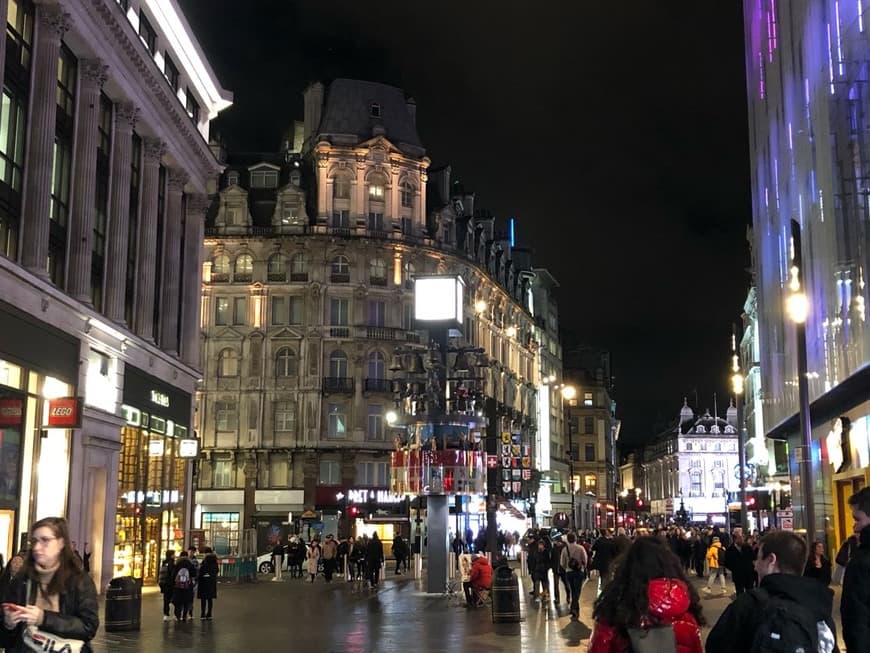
[782, 556]
[855, 604]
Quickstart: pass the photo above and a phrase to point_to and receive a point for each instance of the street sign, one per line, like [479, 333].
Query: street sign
[785, 519]
[492, 461]
[801, 455]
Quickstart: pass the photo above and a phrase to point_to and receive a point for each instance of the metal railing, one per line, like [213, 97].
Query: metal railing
[338, 384]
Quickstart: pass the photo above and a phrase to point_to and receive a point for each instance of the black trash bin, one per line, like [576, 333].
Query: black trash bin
[505, 596]
[123, 604]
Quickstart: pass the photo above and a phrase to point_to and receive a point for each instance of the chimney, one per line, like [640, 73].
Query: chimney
[444, 183]
[411, 103]
[313, 110]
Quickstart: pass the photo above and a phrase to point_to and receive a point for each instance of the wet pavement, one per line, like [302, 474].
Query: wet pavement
[350, 618]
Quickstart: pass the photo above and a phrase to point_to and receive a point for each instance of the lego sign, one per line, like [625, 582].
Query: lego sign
[11, 412]
[64, 413]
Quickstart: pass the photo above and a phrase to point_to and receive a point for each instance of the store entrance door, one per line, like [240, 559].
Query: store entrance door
[845, 489]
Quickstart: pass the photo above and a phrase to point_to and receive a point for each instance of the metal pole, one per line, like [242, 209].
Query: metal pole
[741, 453]
[570, 464]
[804, 453]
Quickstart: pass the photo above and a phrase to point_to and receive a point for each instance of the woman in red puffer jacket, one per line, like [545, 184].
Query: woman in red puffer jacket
[649, 588]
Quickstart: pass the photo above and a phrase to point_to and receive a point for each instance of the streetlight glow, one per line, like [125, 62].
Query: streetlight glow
[479, 306]
[797, 307]
[391, 417]
[569, 392]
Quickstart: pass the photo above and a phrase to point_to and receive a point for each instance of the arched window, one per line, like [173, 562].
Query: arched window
[244, 268]
[377, 272]
[340, 269]
[285, 363]
[377, 188]
[220, 268]
[341, 187]
[338, 365]
[406, 191]
[228, 363]
[277, 268]
[377, 366]
[298, 268]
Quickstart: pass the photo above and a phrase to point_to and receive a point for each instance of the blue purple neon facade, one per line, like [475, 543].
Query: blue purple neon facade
[808, 86]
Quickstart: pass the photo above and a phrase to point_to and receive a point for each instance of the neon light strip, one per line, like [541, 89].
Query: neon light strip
[776, 181]
[821, 205]
[807, 98]
[790, 142]
[801, 209]
[770, 37]
[860, 17]
[830, 61]
[840, 64]
[773, 25]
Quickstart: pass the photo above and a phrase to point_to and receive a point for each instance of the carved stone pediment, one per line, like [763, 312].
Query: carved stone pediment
[227, 333]
[287, 333]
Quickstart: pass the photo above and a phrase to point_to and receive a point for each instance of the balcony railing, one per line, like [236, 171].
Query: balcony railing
[390, 334]
[378, 281]
[339, 332]
[337, 385]
[339, 277]
[378, 385]
[299, 277]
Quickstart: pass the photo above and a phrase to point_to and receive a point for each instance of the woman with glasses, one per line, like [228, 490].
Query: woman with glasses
[51, 592]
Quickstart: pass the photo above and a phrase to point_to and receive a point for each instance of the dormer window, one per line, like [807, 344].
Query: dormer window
[233, 178]
[377, 188]
[264, 178]
[375, 110]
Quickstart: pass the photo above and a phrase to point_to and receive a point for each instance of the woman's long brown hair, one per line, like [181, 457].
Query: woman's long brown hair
[70, 569]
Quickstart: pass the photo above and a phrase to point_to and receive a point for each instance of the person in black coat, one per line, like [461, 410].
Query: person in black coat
[855, 603]
[207, 583]
[541, 571]
[165, 581]
[182, 590]
[818, 566]
[374, 560]
[739, 560]
[780, 566]
[67, 606]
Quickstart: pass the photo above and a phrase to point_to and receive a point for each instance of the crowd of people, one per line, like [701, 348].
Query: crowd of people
[646, 601]
[359, 559]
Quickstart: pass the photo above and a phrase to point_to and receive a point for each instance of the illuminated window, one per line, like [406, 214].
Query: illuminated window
[244, 268]
[377, 272]
[590, 483]
[223, 473]
[587, 398]
[377, 188]
[220, 268]
[336, 422]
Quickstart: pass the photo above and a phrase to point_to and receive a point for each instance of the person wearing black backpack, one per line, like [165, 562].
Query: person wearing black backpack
[787, 612]
[855, 604]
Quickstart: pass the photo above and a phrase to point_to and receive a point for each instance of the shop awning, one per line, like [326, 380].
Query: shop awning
[844, 396]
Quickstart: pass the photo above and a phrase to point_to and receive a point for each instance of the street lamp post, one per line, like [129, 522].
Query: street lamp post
[569, 392]
[797, 307]
[737, 389]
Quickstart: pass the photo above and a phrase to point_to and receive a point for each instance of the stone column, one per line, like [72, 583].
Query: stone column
[172, 262]
[84, 211]
[119, 211]
[52, 22]
[153, 150]
[191, 289]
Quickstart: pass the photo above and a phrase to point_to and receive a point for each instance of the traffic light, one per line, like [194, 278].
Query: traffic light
[353, 511]
[750, 500]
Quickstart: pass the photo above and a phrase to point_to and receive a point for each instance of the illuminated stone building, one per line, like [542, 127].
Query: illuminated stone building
[696, 462]
[104, 169]
[308, 290]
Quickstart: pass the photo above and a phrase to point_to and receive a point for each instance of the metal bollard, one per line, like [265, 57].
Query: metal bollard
[451, 565]
[418, 565]
[522, 558]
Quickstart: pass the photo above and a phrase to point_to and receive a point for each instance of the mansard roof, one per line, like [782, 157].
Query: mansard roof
[348, 111]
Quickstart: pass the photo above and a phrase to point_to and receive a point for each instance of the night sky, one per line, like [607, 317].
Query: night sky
[615, 132]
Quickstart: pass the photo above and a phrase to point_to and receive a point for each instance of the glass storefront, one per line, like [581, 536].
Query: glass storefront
[152, 475]
[34, 461]
[151, 489]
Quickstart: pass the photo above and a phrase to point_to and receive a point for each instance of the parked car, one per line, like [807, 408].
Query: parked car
[265, 566]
